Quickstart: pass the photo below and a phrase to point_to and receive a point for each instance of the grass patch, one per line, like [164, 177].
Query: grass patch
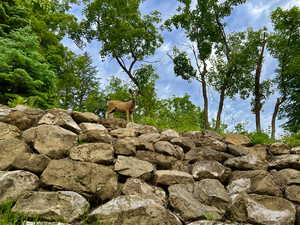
[292, 140]
[7, 217]
[260, 138]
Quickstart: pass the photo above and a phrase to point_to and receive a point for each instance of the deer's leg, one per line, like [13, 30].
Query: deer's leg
[127, 115]
[109, 113]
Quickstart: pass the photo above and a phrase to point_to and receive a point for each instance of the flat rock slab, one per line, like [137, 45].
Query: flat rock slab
[61, 206]
[135, 186]
[82, 177]
[247, 162]
[263, 209]
[206, 153]
[14, 183]
[170, 177]
[133, 167]
[142, 129]
[237, 139]
[285, 161]
[133, 209]
[123, 132]
[93, 152]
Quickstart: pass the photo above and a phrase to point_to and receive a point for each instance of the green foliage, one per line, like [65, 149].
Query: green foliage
[125, 34]
[259, 138]
[292, 140]
[24, 71]
[177, 113]
[9, 218]
[285, 47]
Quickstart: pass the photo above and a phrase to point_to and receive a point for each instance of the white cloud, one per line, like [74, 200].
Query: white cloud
[291, 3]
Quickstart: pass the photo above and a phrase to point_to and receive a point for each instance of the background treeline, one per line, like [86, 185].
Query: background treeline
[37, 70]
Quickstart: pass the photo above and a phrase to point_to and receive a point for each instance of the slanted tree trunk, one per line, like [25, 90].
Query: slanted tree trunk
[279, 101]
[220, 108]
[257, 89]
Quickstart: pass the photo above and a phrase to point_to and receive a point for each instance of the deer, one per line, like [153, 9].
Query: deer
[121, 106]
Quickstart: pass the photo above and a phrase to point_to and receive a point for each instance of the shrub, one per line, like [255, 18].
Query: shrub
[292, 140]
[260, 138]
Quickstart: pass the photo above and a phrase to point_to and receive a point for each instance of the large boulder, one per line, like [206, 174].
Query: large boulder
[63, 206]
[8, 131]
[133, 209]
[212, 143]
[259, 182]
[286, 177]
[206, 153]
[167, 148]
[279, 148]
[161, 161]
[293, 193]
[135, 186]
[35, 163]
[236, 139]
[210, 169]
[170, 177]
[285, 161]
[263, 210]
[93, 152]
[82, 117]
[133, 167]
[185, 142]
[188, 200]
[123, 132]
[237, 150]
[53, 141]
[21, 117]
[61, 119]
[10, 149]
[169, 134]
[82, 177]
[14, 183]
[247, 162]
[126, 146]
[113, 123]
[142, 129]
[93, 132]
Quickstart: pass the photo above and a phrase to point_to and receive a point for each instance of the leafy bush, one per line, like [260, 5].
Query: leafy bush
[292, 140]
[260, 138]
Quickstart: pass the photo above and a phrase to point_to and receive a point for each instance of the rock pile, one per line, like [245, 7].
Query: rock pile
[63, 167]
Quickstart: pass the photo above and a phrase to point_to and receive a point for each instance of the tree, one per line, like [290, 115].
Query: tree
[205, 29]
[125, 35]
[285, 47]
[77, 82]
[24, 71]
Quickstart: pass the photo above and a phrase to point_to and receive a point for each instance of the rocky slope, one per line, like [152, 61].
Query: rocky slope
[63, 167]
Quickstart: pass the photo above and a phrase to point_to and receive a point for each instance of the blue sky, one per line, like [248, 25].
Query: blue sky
[254, 13]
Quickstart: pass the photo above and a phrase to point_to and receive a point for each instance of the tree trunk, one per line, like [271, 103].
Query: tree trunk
[279, 101]
[220, 109]
[257, 90]
[205, 99]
